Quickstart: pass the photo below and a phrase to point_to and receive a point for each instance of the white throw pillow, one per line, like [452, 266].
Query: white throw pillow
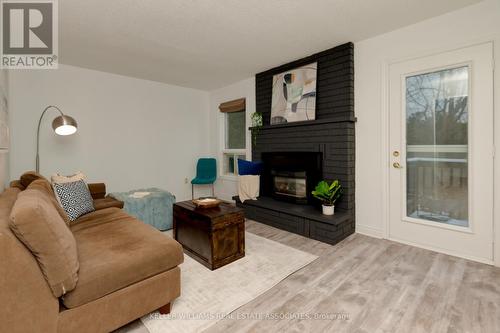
[60, 179]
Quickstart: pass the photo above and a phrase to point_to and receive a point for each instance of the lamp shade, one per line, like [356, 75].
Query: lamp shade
[64, 125]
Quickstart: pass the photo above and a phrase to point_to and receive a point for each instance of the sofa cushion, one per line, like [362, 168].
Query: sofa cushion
[28, 177]
[37, 224]
[74, 198]
[44, 186]
[61, 179]
[107, 203]
[17, 184]
[117, 250]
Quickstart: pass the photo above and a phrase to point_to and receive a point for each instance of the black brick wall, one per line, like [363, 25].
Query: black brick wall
[332, 133]
[335, 83]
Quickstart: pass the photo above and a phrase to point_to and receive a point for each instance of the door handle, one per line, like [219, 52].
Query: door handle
[396, 165]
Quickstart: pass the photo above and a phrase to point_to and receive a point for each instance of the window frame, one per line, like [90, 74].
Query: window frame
[225, 152]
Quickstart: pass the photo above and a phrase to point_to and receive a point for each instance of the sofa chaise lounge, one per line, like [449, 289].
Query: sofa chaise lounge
[125, 269]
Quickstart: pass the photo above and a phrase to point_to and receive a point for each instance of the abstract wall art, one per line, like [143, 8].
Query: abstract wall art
[294, 95]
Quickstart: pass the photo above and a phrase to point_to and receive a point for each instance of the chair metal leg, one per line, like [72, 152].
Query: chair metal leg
[192, 191]
[213, 190]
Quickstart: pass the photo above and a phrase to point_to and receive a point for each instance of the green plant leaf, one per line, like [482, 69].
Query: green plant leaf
[328, 193]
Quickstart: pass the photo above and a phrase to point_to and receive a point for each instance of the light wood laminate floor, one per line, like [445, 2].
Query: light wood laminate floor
[376, 286]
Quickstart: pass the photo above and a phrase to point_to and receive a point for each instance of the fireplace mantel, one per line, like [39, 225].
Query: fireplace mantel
[333, 120]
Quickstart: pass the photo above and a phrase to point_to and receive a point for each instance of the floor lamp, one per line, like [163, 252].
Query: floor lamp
[62, 125]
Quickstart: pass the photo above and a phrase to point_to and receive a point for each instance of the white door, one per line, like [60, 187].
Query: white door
[441, 152]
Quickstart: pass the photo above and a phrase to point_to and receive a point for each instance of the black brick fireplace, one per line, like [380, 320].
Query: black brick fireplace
[291, 176]
[328, 141]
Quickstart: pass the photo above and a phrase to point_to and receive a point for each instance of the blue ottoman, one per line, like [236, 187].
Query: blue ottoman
[154, 208]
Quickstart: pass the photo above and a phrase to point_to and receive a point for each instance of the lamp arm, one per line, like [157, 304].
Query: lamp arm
[38, 133]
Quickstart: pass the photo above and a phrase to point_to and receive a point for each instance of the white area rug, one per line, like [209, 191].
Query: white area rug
[207, 296]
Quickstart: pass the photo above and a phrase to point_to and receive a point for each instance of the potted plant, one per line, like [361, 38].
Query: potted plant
[328, 194]
[256, 124]
[256, 119]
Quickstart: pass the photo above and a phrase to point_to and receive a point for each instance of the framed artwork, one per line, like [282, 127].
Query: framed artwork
[294, 95]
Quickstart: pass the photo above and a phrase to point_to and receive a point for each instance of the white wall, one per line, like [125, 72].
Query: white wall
[226, 186]
[4, 153]
[132, 133]
[468, 26]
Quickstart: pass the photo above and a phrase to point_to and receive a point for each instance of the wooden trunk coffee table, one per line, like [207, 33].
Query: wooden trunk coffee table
[212, 236]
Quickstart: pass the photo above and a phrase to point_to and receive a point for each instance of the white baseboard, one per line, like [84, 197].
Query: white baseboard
[369, 231]
[444, 251]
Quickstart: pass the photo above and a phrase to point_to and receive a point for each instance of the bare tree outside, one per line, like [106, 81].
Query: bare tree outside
[437, 106]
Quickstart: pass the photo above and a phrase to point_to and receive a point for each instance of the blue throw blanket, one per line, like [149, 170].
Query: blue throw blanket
[155, 208]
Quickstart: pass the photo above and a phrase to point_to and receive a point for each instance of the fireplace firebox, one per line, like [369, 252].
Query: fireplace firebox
[291, 176]
[290, 184]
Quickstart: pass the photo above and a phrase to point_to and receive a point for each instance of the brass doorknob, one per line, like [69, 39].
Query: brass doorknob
[396, 165]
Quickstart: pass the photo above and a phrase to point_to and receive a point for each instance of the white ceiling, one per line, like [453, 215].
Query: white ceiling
[207, 44]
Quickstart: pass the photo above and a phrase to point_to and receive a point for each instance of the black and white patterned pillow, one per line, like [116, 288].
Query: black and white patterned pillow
[74, 198]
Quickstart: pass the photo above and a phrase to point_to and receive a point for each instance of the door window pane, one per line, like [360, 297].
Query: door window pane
[437, 146]
[235, 130]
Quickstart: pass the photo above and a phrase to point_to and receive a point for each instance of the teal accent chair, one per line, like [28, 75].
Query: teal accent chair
[206, 173]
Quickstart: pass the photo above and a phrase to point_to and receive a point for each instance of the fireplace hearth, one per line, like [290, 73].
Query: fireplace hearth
[291, 176]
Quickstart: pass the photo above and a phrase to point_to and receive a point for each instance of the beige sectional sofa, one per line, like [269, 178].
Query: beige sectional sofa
[92, 275]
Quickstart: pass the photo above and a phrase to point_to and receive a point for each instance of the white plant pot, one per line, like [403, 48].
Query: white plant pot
[328, 210]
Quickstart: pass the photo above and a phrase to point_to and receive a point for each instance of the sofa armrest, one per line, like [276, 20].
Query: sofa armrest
[97, 190]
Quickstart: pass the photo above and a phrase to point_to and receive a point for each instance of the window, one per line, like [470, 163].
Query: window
[437, 121]
[235, 130]
[234, 141]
